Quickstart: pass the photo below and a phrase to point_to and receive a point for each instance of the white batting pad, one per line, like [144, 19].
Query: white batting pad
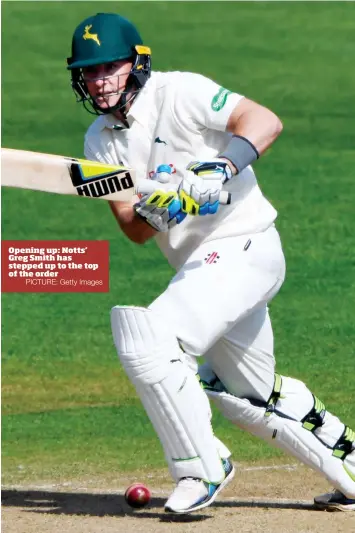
[287, 423]
[170, 392]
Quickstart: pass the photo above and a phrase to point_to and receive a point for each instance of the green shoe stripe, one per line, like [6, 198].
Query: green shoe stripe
[350, 474]
[180, 459]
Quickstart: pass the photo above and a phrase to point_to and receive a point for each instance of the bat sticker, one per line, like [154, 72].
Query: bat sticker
[95, 180]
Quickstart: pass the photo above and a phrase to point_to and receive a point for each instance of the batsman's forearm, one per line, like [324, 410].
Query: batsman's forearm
[261, 128]
[136, 229]
[256, 123]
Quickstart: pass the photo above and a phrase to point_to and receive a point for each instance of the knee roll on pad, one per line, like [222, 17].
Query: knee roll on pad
[170, 392]
[298, 423]
[145, 347]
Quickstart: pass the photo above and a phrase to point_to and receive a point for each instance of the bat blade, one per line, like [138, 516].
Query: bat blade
[65, 175]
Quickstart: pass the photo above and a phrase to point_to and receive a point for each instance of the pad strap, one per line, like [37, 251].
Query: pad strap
[315, 418]
[345, 444]
[275, 395]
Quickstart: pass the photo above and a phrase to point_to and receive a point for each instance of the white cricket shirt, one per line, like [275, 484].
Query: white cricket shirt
[180, 117]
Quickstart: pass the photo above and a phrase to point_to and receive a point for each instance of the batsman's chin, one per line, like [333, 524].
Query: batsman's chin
[105, 102]
[102, 102]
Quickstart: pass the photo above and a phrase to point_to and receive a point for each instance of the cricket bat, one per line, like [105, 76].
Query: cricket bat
[66, 175]
[78, 177]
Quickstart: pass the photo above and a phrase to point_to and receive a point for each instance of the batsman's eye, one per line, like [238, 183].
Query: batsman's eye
[89, 71]
[110, 67]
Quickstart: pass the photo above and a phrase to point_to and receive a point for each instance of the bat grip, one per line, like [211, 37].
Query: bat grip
[225, 197]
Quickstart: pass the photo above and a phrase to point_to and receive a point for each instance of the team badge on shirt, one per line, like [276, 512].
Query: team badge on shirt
[152, 173]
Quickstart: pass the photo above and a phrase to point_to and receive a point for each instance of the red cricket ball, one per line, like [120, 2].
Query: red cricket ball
[137, 495]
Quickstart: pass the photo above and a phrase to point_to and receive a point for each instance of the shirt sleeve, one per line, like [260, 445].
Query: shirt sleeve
[204, 101]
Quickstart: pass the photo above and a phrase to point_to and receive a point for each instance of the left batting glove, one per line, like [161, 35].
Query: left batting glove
[161, 209]
[200, 190]
[159, 205]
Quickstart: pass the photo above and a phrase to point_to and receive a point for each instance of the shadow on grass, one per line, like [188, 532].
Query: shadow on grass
[115, 505]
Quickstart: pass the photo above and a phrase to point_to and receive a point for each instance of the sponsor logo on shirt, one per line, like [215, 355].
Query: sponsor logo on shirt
[212, 258]
[159, 141]
[219, 99]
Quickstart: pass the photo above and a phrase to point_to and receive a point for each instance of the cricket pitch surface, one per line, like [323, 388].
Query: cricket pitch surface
[260, 499]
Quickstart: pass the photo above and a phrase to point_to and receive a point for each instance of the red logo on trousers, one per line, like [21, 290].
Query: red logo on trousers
[211, 258]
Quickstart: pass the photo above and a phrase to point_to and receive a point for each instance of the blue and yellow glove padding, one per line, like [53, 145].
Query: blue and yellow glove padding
[161, 209]
[159, 205]
[200, 190]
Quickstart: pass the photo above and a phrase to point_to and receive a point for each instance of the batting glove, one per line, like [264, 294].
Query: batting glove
[161, 209]
[200, 190]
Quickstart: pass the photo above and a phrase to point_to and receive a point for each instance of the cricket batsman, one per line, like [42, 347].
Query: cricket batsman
[198, 142]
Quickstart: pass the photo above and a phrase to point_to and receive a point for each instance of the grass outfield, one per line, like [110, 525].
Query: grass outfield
[68, 409]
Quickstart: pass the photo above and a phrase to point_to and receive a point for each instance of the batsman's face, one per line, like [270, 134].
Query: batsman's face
[107, 81]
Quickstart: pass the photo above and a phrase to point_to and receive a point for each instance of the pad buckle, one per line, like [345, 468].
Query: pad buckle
[345, 444]
[275, 395]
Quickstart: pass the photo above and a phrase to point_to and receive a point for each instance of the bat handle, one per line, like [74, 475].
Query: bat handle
[225, 197]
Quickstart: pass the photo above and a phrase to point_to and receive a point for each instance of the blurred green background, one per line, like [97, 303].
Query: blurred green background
[68, 409]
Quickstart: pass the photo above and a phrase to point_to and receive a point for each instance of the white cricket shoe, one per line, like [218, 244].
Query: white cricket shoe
[192, 494]
[334, 501]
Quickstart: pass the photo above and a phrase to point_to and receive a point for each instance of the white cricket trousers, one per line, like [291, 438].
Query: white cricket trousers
[216, 305]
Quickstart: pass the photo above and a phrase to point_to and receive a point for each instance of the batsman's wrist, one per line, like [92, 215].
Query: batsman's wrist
[240, 152]
[233, 169]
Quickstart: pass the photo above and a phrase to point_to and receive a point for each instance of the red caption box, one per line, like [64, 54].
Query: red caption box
[55, 266]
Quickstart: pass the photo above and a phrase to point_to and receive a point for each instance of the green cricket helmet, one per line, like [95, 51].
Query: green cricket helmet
[104, 38]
